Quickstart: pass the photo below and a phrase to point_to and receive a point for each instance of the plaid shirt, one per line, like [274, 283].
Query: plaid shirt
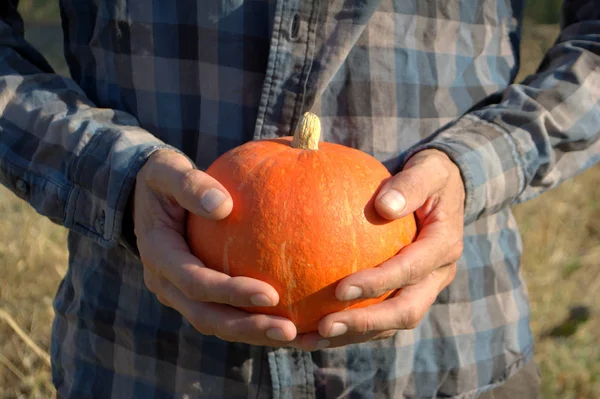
[387, 77]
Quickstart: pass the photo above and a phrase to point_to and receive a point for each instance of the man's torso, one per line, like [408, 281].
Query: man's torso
[206, 76]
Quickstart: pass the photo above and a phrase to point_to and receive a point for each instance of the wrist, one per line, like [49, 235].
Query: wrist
[489, 162]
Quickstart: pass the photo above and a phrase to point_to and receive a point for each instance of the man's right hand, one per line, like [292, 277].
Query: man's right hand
[166, 188]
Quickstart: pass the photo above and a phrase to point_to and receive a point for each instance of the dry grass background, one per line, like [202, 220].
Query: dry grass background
[561, 265]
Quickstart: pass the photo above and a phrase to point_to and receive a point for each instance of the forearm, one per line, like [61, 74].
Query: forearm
[535, 134]
[72, 161]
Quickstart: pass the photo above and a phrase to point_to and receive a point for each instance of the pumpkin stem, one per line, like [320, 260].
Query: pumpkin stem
[308, 133]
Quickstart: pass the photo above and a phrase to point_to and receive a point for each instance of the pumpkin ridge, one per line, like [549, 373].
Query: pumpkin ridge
[353, 221]
[351, 218]
[291, 194]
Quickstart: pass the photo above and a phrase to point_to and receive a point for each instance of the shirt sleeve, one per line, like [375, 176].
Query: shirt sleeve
[72, 161]
[536, 134]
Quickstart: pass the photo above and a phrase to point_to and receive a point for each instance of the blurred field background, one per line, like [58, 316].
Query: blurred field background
[561, 263]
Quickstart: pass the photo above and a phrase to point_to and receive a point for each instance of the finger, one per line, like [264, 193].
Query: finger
[155, 284]
[231, 324]
[433, 248]
[404, 311]
[425, 173]
[173, 175]
[167, 255]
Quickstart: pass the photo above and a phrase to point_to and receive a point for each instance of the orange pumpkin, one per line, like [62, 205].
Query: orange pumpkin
[303, 218]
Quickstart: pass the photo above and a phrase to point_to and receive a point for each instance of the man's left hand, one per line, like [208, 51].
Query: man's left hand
[431, 186]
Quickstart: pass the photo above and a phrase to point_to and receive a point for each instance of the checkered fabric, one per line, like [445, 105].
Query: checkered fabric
[387, 77]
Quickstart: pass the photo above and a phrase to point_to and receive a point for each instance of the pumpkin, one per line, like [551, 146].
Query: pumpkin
[303, 218]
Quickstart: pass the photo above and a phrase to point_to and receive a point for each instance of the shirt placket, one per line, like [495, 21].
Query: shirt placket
[285, 91]
[292, 374]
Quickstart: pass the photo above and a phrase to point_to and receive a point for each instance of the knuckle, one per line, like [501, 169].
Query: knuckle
[191, 290]
[230, 297]
[235, 331]
[163, 284]
[377, 286]
[370, 324]
[163, 300]
[412, 317]
[457, 250]
[440, 166]
[451, 275]
[204, 328]
[412, 186]
[224, 292]
[443, 215]
[190, 183]
[223, 336]
[186, 287]
[414, 273]
[150, 280]
[148, 265]
[365, 322]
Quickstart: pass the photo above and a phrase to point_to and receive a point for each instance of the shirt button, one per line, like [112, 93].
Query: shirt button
[22, 186]
[99, 224]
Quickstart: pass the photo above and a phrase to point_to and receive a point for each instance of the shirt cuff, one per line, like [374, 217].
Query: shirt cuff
[102, 179]
[488, 159]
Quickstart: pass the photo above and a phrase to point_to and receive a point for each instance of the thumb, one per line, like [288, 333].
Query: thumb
[172, 175]
[423, 175]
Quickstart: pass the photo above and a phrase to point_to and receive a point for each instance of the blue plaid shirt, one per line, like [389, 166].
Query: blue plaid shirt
[387, 77]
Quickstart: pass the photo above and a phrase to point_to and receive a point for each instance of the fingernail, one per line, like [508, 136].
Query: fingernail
[322, 344]
[337, 329]
[276, 334]
[394, 200]
[212, 199]
[261, 300]
[351, 293]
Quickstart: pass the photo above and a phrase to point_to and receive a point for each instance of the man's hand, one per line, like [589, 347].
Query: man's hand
[166, 187]
[431, 186]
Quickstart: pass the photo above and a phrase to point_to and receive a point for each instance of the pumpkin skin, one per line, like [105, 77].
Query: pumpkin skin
[302, 220]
